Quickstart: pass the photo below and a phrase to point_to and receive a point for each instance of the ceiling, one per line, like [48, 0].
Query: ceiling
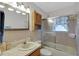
[52, 6]
[55, 8]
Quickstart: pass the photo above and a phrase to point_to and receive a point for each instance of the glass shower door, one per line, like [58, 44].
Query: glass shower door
[48, 36]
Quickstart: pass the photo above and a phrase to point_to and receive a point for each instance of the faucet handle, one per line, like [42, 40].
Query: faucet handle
[24, 42]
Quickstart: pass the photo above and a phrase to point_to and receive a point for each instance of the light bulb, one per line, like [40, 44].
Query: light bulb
[18, 12]
[2, 6]
[10, 9]
[23, 13]
[28, 10]
[49, 20]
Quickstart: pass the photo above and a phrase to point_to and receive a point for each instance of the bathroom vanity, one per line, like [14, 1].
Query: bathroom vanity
[17, 51]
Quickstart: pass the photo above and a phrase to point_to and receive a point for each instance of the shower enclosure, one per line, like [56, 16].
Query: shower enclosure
[58, 35]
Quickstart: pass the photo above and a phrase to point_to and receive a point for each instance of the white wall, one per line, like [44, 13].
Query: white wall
[14, 20]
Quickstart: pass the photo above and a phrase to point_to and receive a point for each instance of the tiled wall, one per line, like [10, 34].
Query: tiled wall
[15, 35]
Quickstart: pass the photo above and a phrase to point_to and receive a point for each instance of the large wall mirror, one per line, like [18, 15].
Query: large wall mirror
[16, 23]
[14, 18]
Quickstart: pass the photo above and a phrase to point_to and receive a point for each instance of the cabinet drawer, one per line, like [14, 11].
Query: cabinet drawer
[36, 53]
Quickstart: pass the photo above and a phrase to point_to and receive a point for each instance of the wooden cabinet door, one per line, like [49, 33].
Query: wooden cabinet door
[38, 19]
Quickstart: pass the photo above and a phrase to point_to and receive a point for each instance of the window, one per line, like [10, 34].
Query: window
[61, 24]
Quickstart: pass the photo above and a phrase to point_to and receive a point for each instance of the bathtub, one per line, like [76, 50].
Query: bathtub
[59, 50]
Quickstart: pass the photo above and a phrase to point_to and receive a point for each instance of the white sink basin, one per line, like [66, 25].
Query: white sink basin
[27, 46]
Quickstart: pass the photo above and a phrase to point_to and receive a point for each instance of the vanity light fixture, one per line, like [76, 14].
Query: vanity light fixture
[19, 6]
[28, 10]
[2, 6]
[10, 9]
[23, 13]
[50, 20]
[18, 12]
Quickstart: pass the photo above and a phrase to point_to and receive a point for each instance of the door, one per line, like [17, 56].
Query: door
[1, 26]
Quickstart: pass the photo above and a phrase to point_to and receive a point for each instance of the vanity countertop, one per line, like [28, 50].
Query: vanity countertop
[17, 52]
